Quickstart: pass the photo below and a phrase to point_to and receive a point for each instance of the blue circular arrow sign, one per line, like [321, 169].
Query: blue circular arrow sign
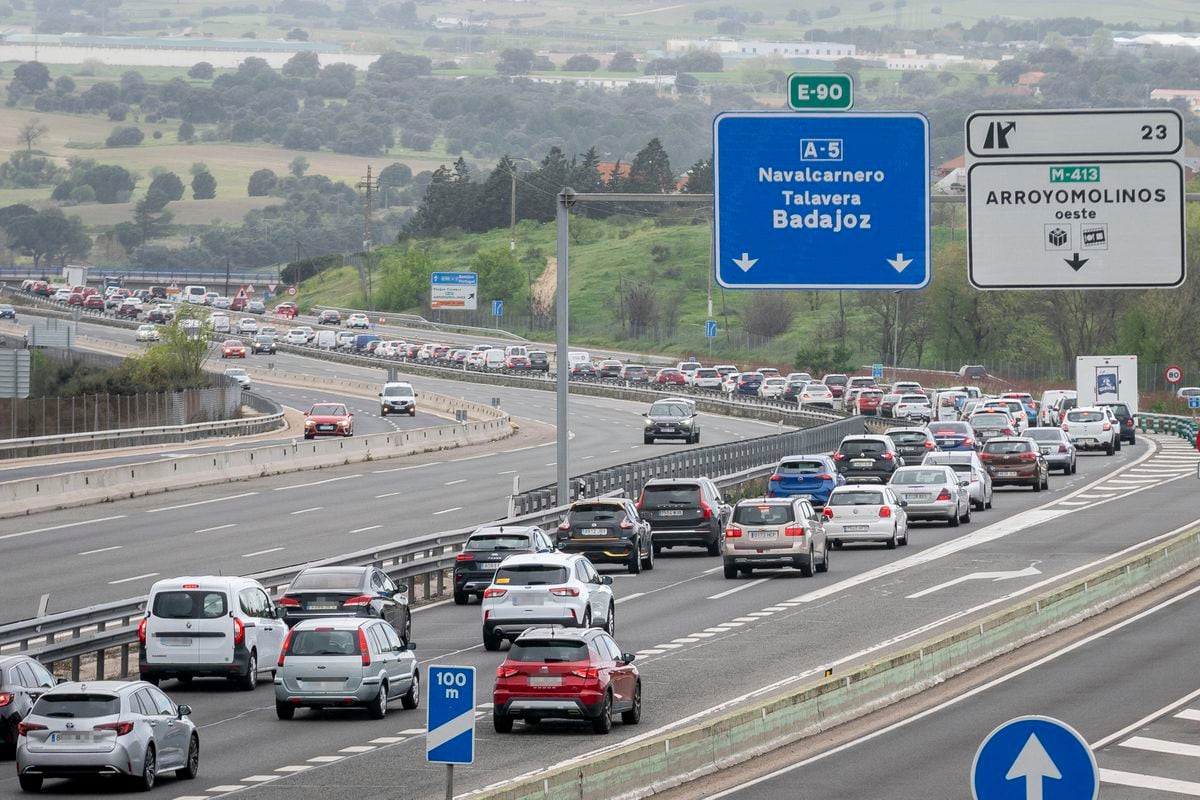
[1034, 758]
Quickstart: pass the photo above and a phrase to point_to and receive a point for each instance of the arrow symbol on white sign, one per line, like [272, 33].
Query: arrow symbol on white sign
[899, 262]
[1075, 262]
[1028, 572]
[1033, 764]
[745, 262]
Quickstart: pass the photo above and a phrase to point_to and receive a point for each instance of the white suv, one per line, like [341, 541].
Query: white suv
[209, 626]
[358, 321]
[1093, 429]
[538, 589]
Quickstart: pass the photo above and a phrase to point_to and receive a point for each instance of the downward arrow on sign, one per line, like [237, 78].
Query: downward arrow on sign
[745, 262]
[899, 262]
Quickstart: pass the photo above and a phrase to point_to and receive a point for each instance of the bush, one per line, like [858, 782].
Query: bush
[201, 70]
[129, 136]
[83, 194]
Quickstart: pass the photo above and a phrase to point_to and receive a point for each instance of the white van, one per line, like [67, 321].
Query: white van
[326, 340]
[209, 626]
[219, 323]
[195, 294]
[578, 357]
[516, 350]
[494, 359]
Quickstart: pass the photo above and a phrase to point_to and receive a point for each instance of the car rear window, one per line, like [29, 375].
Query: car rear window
[774, 514]
[862, 447]
[324, 642]
[190, 604]
[948, 430]
[550, 652]
[750, 377]
[835, 380]
[1085, 416]
[707, 373]
[1120, 409]
[662, 494]
[907, 437]
[919, 476]
[338, 581]
[501, 541]
[1006, 448]
[587, 512]
[856, 499]
[801, 468]
[77, 705]
[1045, 434]
[531, 575]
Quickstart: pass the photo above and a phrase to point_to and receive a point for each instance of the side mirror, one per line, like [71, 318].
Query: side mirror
[964, 483]
[402, 588]
[904, 504]
[411, 646]
[606, 580]
[184, 710]
[379, 395]
[628, 658]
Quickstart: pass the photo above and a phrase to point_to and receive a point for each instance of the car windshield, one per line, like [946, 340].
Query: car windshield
[334, 580]
[663, 494]
[771, 514]
[554, 651]
[1085, 416]
[800, 468]
[498, 541]
[835, 380]
[328, 410]
[531, 575]
[189, 604]
[951, 429]
[324, 642]
[670, 410]
[856, 498]
[596, 512]
[1120, 409]
[918, 399]
[1006, 448]
[236, 372]
[232, 343]
[911, 476]
[397, 391]
[862, 447]
[73, 706]
[907, 437]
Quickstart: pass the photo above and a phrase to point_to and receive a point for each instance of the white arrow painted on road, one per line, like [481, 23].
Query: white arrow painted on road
[899, 262]
[1028, 572]
[1033, 764]
[745, 262]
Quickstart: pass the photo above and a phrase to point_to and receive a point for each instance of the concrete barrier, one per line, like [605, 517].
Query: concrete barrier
[645, 767]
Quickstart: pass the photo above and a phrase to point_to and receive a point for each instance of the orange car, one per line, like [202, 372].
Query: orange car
[233, 348]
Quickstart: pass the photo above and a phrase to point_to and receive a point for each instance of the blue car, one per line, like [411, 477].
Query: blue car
[952, 436]
[810, 476]
[1027, 403]
[748, 383]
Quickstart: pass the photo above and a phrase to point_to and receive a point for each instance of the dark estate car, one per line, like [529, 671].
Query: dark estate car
[1127, 420]
[22, 681]
[263, 343]
[476, 565]
[1016, 460]
[685, 512]
[539, 361]
[607, 532]
[671, 419]
[912, 443]
[319, 592]
[867, 459]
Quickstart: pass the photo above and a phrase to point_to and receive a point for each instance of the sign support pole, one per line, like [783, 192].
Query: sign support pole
[449, 782]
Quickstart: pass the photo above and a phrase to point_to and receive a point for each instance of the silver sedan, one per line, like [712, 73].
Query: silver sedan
[933, 493]
[1056, 448]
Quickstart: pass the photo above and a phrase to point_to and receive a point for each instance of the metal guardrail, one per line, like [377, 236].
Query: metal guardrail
[415, 321]
[151, 275]
[1171, 425]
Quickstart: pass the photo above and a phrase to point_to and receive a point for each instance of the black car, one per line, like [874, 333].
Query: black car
[263, 343]
[329, 317]
[583, 371]
[610, 368]
[866, 459]
[1128, 423]
[347, 592]
[476, 565]
[157, 315]
[539, 361]
[22, 681]
[671, 419]
[8, 312]
[793, 389]
[912, 443]
[607, 532]
[685, 512]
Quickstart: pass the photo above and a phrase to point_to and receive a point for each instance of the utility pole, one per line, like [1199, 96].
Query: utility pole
[227, 276]
[369, 185]
[512, 200]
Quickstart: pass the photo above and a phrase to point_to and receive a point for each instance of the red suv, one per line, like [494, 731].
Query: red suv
[836, 383]
[566, 673]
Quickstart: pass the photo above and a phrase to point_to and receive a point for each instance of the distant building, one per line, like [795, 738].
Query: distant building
[604, 82]
[1192, 96]
[946, 167]
[1147, 40]
[1030, 78]
[752, 48]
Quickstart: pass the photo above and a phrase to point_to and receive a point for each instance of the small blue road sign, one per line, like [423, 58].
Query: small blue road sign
[876, 371]
[1194, 402]
[1034, 758]
[821, 201]
[710, 328]
[497, 308]
[451, 717]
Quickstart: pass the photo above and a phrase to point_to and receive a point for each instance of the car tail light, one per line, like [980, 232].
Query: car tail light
[564, 591]
[587, 673]
[23, 728]
[564, 526]
[839, 457]
[490, 593]
[776, 478]
[191, 586]
[886, 456]
[706, 509]
[733, 533]
[968, 442]
[361, 600]
[121, 728]
[626, 524]
[239, 631]
[1027, 456]
[1107, 426]
[287, 641]
[793, 530]
[1007, 432]
[641, 503]
[142, 630]
[289, 602]
[362, 646]
[1062, 448]
[885, 511]
[928, 445]
[464, 557]
[827, 512]
[985, 456]
[5, 698]
[944, 494]
[507, 672]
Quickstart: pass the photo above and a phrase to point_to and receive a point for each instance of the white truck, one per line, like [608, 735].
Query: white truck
[75, 276]
[1107, 379]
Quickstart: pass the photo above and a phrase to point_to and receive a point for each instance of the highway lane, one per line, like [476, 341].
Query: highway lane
[1131, 690]
[693, 631]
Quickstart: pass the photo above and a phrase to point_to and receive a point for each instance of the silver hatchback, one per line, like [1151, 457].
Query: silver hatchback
[345, 661]
[109, 729]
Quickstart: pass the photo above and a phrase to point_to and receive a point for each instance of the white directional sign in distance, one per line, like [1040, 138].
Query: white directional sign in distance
[1117, 133]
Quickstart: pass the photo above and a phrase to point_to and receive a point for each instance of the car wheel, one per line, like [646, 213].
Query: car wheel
[696, 439]
[378, 707]
[953, 521]
[412, 413]
[491, 641]
[461, 598]
[1118, 444]
[824, 565]
[284, 711]
[192, 767]
[1074, 467]
[1108, 449]
[657, 549]
[610, 623]
[412, 698]
[383, 411]
[1046, 481]
[648, 561]
[587, 618]
[647, 440]
[30, 783]
[635, 562]
[145, 781]
[967, 516]
[714, 547]
[503, 723]
[603, 722]
[249, 680]
[905, 542]
[808, 564]
[731, 570]
[634, 715]
[1037, 484]
[892, 542]
[1133, 441]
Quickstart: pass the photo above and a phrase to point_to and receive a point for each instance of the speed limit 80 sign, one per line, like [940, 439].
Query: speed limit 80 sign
[1173, 374]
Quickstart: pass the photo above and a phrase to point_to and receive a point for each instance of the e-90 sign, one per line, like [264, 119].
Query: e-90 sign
[822, 91]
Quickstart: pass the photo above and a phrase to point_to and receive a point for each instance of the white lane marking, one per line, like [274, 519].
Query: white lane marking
[388, 740]
[1094, 496]
[387, 494]
[1189, 714]
[60, 527]
[357, 748]
[428, 606]
[738, 588]
[1137, 780]
[685, 640]
[192, 797]
[325, 759]
[731, 624]
[403, 469]
[1074, 503]
[453, 483]
[100, 550]
[745, 619]
[472, 458]
[760, 614]
[716, 630]
[411, 731]
[197, 503]
[620, 600]
[520, 449]
[259, 779]
[775, 608]
[613, 451]
[650, 652]
[668, 646]
[551, 464]
[315, 483]
[368, 528]
[226, 787]
[134, 578]
[306, 510]
[507, 472]
[217, 528]
[448, 510]
[1162, 746]
[295, 768]
[261, 552]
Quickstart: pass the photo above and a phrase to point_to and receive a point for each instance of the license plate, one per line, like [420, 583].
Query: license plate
[1086, 441]
[176, 641]
[1007, 474]
[324, 427]
[322, 606]
[668, 428]
[916, 497]
[594, 531]
[862, 463]
[762, 534]
[675, 513]
[537, 680]
[856, 528]
[490, 564]
[1045, 451]
[67, 737]
[528, 600]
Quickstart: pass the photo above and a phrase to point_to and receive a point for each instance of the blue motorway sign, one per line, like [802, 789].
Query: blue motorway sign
[710, 328]
[821, 201]
[450, 723]
[497, 308]
[876, 372]
[1194, 402]
[455, 279]
[1034, 758]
